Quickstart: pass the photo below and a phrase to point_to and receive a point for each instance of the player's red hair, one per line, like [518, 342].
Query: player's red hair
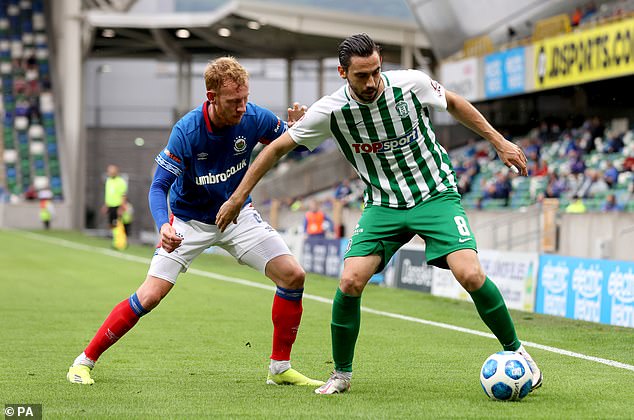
[224, 69]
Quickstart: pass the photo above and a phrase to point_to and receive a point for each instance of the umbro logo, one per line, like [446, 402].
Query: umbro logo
[461, 240]
[202, 156]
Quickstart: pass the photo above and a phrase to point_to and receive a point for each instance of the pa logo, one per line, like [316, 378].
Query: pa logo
[240, 144]
[402, 109]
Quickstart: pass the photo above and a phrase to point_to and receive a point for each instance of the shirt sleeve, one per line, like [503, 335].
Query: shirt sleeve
[272, 126]
[157, 196]
[429, 91]
[313, 128]
[174, 157]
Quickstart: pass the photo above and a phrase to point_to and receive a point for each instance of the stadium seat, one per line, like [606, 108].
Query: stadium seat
[51, 149]
[10, 156]
[40, 182]
[37, 148]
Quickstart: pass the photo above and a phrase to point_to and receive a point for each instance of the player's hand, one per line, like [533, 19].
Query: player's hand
[229, 212]
[513, 157]
[295, 113]
[169, 239]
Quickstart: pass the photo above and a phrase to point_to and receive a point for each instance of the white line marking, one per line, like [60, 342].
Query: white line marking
[235, 280]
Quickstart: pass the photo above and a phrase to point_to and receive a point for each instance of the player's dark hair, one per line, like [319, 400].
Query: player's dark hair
[359, 45]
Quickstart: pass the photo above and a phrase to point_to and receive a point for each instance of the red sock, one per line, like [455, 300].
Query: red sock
[120, 321]
[286, 314]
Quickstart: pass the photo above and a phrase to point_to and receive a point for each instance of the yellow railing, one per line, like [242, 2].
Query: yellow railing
[552, 26]
[481, 45]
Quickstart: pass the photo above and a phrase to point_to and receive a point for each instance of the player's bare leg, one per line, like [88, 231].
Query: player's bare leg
[346, 320]
[287, 310]
[122, 318]
[465, 266]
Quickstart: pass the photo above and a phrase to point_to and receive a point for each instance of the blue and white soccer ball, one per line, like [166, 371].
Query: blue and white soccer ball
[505, 376]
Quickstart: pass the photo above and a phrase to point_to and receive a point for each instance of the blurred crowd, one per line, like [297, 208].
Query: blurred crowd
[591, 12]
[588, 168]
[588, 162]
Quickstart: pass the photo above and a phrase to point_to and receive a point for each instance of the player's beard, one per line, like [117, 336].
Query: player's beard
[368, 95]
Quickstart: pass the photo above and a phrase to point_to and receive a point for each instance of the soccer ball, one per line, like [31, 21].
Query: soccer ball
[505, 376]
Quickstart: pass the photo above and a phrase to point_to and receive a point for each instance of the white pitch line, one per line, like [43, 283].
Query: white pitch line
[249, 283]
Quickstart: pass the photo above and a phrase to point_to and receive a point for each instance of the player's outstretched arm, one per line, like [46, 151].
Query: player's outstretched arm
[462, 110]
[230, 210]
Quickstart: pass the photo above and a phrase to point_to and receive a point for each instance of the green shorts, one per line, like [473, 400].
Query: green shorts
[440, 221]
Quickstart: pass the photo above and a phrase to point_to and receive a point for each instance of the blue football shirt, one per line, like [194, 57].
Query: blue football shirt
[209, 164]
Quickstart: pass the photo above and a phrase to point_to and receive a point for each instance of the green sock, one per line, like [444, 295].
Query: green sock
[492, 309]
[344, 327]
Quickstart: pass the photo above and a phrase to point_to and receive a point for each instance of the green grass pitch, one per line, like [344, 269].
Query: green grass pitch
[203, 353]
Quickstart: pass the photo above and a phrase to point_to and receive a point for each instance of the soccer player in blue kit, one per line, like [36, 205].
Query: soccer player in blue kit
[205, 159]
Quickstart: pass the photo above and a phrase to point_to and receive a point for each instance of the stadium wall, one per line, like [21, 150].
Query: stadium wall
[590, 235]
[26, 215]
[136, 164]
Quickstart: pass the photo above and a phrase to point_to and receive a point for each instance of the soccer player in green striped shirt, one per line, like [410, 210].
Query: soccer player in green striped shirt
[381, 124]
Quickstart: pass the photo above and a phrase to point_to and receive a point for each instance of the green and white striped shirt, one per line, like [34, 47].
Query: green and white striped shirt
[390, 142]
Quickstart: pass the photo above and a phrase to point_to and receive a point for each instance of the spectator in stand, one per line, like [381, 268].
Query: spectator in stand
[470, 151]
[503, 187]
[611, 174]
[482, 152]
[592, 185]
[556, 186]
[343, 192]
[316, 223]
[611, 204]
[613, 143]
[588, 12]
[567, 145]
[577, 205]
[597, 129]
[577, 165]
[543, 133]
[534, 148]
[30, 193]
[500, 188]
[538, 168]
[575, 19]
[464, 183]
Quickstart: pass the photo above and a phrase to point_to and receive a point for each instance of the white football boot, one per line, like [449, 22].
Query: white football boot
[537, 373]
[336, 384]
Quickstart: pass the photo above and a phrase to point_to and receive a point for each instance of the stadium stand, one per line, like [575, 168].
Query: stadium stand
[29, 160]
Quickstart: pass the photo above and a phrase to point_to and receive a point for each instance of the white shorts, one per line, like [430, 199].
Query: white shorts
[251, 241]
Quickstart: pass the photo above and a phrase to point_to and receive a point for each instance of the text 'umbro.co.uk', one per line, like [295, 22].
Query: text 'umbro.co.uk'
[221, 177]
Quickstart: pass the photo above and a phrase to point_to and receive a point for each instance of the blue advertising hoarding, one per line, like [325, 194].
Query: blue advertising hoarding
[322, 256]
[505, 73]
[586, 289]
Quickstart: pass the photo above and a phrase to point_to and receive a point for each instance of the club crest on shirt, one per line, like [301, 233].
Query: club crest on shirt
[240, 144]
[402, 109]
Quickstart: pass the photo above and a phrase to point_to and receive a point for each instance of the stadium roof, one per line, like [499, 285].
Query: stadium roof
[448, 23]
[244, 29]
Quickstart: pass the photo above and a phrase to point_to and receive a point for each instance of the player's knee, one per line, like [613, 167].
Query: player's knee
[352, 284]
[294, 277]
[149, 299]
[150, 294]
[470, 278]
